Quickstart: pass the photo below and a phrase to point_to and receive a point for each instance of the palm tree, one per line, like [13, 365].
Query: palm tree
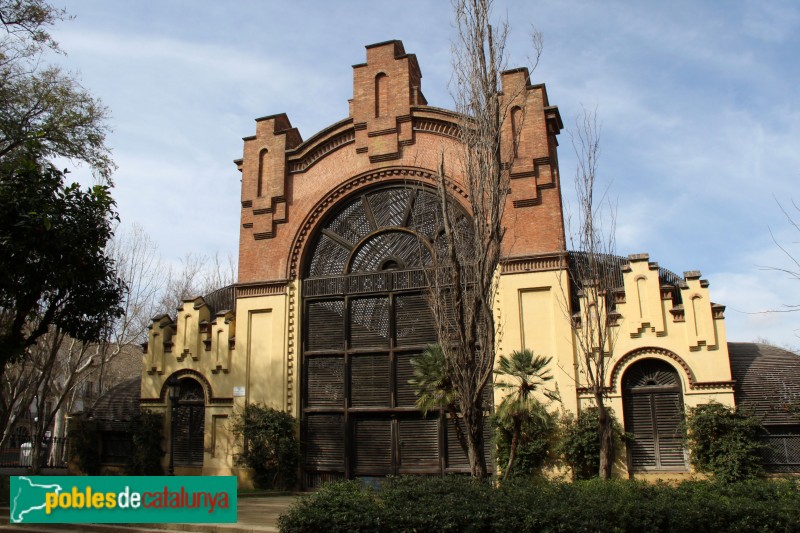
[433, 387]
[525, 373]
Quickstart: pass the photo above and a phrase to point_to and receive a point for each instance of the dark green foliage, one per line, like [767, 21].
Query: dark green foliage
[83, 445]
[459, 504]
[337, 507]
[270, 445]
[580, 442]
[147, 438]
[724, 442]
[54, 270]
[536, 439]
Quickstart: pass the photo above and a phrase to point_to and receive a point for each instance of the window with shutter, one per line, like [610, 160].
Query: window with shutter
[189, 424]
[652, 402]
[366, 315]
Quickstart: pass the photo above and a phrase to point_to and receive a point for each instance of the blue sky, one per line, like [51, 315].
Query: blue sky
[699, 104]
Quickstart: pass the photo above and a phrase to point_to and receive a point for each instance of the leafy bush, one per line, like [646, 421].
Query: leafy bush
[537, 436]
[724, 442]
[83, 445]
[336, 507]
[147, 439]
[461, 504]
[580, 442]
[270, 445]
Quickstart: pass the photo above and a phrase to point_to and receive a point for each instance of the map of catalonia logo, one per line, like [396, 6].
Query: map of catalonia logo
[123, 499]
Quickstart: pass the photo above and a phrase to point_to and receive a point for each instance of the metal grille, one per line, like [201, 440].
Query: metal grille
[781, 451]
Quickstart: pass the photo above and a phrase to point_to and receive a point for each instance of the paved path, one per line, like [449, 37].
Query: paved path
[255, 515]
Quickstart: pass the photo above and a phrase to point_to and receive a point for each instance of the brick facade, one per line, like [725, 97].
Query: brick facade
[390, 135]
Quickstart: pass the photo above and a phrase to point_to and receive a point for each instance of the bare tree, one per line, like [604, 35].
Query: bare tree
[465, 282]
[595, 276]
[792, 271]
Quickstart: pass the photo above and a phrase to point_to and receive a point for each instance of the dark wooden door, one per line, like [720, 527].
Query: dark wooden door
[654, 415]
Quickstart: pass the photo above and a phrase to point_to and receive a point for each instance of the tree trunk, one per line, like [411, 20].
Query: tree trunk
[473, 423]
[606, 435]
[514, 443]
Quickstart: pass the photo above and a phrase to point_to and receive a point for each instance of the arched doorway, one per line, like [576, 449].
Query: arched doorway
[189, 424]
[365, 316]
[652, 401]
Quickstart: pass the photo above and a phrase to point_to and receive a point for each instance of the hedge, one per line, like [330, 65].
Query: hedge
[463, 505]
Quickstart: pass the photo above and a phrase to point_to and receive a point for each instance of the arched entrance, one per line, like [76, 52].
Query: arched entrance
[652, 401]
[189, 424]
[365, 317]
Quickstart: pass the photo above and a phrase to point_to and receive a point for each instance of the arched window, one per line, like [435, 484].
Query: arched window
[365, 316]
[653, 406]
[189, 424]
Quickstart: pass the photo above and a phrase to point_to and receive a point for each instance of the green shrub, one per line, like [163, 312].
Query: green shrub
[460, 504]
[270, 445]
[537, 437]
[579, 446]
[724, 442]
[83, 440]
[147, 439]
[336, 507]
[443, 504]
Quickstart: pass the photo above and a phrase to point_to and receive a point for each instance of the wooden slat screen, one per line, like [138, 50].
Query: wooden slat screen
[325, 325]
[456, 458]
[669, 421]
[188, 444]
[419, 445]
[369, 380]
[325, 381]
[389, 205]
[414, 321]
[639, 422]
[404, 372]
[369, 323]
[373, 445]
[324, 442]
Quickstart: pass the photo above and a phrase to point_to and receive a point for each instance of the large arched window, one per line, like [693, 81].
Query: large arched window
[189, 424]
[365, 316]
[653, 406]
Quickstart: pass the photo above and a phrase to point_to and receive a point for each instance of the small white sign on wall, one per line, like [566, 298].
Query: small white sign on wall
[238, 392]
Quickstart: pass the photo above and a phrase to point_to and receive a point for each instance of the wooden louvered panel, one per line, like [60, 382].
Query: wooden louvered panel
[324, 442]
[325, 381]
[369, 323]
[425, 214]
[404, 372]
[414, 321]
[369, 381]
[669, 429]
[639, 422]
[373, 447]
[188, 432]
[325, 325]
[456, 458]
[419, 444]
